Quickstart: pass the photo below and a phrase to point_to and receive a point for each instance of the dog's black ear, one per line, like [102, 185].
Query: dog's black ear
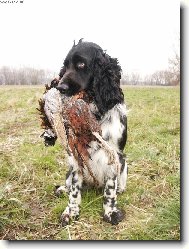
[106, 83]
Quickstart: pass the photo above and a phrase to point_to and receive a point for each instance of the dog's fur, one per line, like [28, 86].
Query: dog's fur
[87, 67]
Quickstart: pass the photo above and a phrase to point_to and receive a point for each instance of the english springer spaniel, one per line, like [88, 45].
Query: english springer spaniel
[87, 67]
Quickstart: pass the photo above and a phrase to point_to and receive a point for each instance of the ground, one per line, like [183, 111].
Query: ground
[29, 210]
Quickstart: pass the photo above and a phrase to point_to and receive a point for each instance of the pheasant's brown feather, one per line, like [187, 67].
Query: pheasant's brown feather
[78, 121]
[81, 124]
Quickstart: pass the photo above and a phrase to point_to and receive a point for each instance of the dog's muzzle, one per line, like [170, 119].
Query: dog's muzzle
[62, 88]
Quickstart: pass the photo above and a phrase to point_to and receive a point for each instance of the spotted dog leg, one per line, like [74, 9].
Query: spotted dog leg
[111, 213]
[72, 210]
[122, 179]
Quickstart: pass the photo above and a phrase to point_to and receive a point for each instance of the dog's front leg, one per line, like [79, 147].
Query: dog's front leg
[111, 213]
[72, 210]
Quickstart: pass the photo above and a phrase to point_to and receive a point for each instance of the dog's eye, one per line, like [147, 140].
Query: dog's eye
[80, 65]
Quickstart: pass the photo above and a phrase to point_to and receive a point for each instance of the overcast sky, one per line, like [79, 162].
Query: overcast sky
[142, 34]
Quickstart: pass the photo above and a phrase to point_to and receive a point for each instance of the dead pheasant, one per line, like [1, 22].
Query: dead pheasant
[71, 120]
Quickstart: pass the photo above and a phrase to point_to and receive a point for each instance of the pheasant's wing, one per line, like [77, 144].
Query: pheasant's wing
[80, 118]
[81, 124]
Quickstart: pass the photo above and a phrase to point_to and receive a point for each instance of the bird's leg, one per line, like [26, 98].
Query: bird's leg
[72, 209]
[60, 189]
[111, 213]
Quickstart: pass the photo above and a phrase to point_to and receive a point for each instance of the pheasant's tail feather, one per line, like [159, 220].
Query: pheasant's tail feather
[45, 124]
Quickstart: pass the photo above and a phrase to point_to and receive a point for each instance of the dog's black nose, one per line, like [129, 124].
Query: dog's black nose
[62, 87]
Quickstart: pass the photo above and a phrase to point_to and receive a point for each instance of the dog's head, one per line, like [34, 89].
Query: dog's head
[88, 67]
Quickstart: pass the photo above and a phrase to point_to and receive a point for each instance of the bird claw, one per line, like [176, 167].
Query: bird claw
[111, 157]
[59, 190]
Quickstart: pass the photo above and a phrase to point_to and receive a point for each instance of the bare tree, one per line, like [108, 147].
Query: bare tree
[135, 78]
[125, 79]
[174, 66]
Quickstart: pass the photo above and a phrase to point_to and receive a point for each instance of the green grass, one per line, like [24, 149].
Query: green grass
[29, 210]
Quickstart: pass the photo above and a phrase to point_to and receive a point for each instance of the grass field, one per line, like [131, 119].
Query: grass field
[29, 210]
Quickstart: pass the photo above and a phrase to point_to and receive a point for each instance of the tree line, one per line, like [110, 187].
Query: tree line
[24, 76]
[32, 76]
[168, 77]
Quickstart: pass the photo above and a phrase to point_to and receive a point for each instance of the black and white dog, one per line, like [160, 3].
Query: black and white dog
[87, 67]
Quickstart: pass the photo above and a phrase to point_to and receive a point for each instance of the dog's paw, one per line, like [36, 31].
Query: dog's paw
[66, 219]
[115, 217]
[59, 190]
